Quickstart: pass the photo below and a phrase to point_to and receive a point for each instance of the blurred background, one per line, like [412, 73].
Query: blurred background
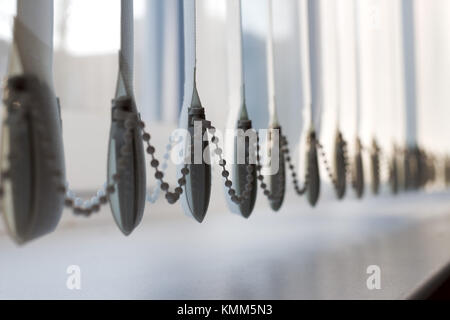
[87, 37]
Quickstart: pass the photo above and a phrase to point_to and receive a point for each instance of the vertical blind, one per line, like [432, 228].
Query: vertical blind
[385, 77]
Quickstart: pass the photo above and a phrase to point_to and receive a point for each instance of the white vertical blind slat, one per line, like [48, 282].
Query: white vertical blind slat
[409, 58]
[34, 37]
[315, 59]
[271, 66]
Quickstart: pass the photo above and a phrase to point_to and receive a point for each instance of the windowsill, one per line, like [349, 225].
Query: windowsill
[298, 253]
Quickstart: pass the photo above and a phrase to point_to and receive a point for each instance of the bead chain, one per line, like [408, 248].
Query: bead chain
[347, 163]
[88, 208]
[326, 164]
[384, 162]
[264, 187]
[171, 197]
[237, 199]
[380, 158]
[286, 151]
[153, 197]
[351, 175]
[94, 205]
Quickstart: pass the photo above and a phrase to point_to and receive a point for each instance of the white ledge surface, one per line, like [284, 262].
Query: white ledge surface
[299, 253]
